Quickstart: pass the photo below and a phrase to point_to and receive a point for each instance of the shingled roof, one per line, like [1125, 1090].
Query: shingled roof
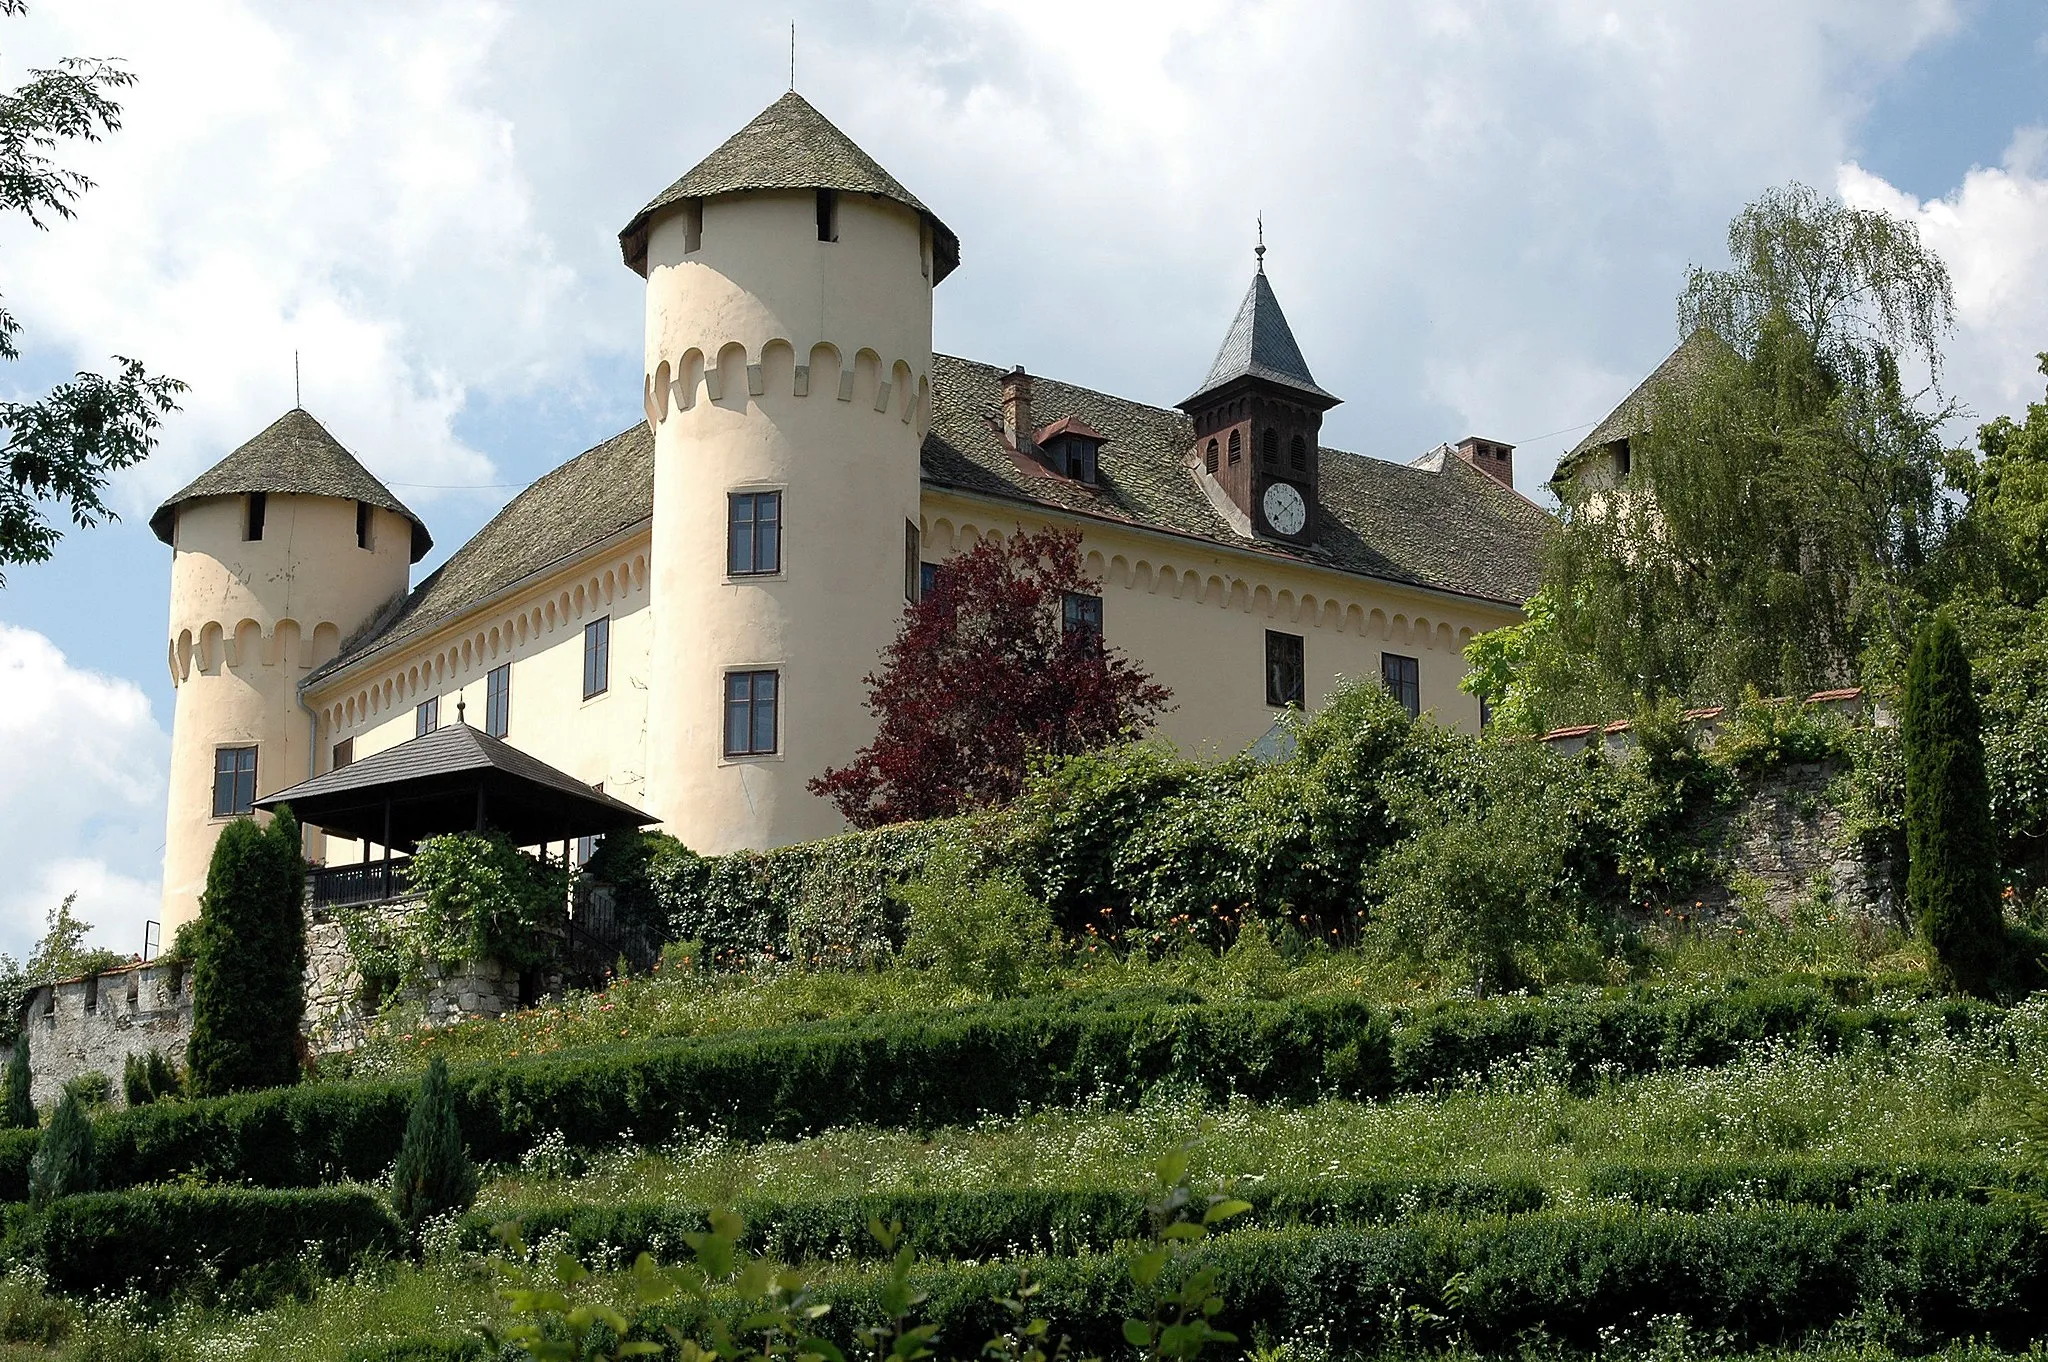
[293, 454]
[1260, 344]
[1450, 528]
[1442, 525]
[599, 493]
[789, 146]
[1693, 357]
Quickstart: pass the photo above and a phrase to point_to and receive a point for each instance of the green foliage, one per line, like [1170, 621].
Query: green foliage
[1763, 735]
[2005, 528]
[433, 1175]
[19, 1111]
[1531, 679]
[91, 1087]
[986, 933]
[480, 897]
[248, 978]
[64, 1164]
[1952, 859]
[149, 1077]
[161, 1240]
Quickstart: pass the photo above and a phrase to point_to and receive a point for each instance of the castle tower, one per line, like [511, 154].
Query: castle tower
[278, 553]
[787, 382]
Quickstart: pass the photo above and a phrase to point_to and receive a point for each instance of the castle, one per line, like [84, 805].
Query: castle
[682, 615]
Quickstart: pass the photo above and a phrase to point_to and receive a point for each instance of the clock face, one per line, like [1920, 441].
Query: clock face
[1285, 511]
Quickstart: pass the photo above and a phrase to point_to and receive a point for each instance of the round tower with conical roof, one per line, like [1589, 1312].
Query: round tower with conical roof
[787, 382]
[279, 552]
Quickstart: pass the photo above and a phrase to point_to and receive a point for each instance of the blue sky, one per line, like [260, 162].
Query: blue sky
[1478, 214]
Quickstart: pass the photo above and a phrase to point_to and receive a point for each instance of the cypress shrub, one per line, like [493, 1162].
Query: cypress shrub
[433, 1175]
[63, 1163]
[19, 1112]
[249, 972]
[148, 1077]
[1951, 852]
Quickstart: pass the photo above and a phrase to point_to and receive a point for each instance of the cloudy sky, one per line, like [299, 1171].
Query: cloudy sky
[1478, 215]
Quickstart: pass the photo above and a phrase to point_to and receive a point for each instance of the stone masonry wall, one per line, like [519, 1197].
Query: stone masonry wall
[1787, 838]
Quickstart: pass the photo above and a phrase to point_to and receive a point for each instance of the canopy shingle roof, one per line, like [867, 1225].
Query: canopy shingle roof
[1260, 344]
[789, 146]
[293, 454]
[431, 785]
[1693, 357]
[1439, 524]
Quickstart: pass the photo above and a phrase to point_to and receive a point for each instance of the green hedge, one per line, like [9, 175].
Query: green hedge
[1932, 1272]
[423, 1350]
[1705, 1186]
[987, 1223]
[923, 1071]
[163, 1239]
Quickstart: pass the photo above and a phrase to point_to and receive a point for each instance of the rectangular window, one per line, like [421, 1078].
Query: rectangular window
[750, 713]
[258, 503]
[1284, 669]
[234, 781]
[427, 717]
[1622, 462]
[753, 533]
[344, 753]
[364, 518]
[912, 577]
[927, 578]
[828, 215]
[1081, 614]
[1402, 676]
[597, 656]
[1485, 712]
[693, 225]
[498, 701]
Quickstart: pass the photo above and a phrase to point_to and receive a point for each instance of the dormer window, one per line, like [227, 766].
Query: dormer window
[1070, 446]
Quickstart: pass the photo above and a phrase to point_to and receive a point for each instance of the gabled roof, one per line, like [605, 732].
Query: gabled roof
[1260, 344]
[789, 146]
[1442, 525]
[1694, 356]
[431, 784]
[294, 454]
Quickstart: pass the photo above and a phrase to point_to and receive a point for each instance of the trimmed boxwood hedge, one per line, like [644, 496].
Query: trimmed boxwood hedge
[1932, 1271]
[986, 1222]
[1704, 1186]
[163, 1239]
[926, 1070]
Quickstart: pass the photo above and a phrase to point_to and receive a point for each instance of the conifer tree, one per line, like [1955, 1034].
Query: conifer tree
[19, 1111]
[63, 1162]
[434, 1175]
[1951, 850]
[249, 972]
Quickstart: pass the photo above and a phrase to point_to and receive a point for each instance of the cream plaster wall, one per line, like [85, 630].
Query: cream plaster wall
[1196, 617]
[538, 631]
[249, 619]
[776, 360]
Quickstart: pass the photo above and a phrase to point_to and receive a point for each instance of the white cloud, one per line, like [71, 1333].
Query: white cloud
[335, 186]
[1992, 232]
[82, 766]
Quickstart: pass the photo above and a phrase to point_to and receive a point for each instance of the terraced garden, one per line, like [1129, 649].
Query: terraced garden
[1832, 1166]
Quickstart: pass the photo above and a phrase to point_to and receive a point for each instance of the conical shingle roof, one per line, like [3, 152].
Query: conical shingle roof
[789, 146]
[1261, 345]
[1695, 357]
[294, 454]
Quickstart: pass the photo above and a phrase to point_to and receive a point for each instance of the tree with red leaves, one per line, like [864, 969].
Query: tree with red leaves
[985, 674]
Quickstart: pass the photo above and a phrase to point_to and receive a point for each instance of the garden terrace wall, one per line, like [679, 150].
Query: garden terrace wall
[923, 1071]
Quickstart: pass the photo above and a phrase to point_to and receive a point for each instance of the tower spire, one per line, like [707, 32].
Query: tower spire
[1259, 251]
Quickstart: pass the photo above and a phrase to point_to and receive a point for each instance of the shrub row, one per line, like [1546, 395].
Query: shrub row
[1922, 1274]
[1840, 1185]
[923, 1071]
[986, 1222]
[159, 1240]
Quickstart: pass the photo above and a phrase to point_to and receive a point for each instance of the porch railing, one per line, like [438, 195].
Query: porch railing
[331, 886]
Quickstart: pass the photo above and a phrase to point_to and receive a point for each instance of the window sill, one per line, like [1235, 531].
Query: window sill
[743, 578]
[753, 759]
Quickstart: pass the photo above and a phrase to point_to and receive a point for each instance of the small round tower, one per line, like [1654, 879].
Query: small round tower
[787, 382]
[279, 552]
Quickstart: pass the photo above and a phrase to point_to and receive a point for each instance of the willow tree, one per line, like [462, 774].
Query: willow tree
[1783, 485]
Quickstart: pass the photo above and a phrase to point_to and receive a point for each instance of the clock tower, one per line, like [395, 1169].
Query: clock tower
[1258, 418]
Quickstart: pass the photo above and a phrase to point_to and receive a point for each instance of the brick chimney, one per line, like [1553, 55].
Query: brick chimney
[1017, 425]
[1490, 457]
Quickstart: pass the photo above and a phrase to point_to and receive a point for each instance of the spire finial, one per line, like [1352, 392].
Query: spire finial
[460, 706]
[298, 399]
[1260, 249]
[792, 55]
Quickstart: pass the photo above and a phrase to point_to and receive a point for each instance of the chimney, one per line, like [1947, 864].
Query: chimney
[1017, 425]
[1490, 457]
